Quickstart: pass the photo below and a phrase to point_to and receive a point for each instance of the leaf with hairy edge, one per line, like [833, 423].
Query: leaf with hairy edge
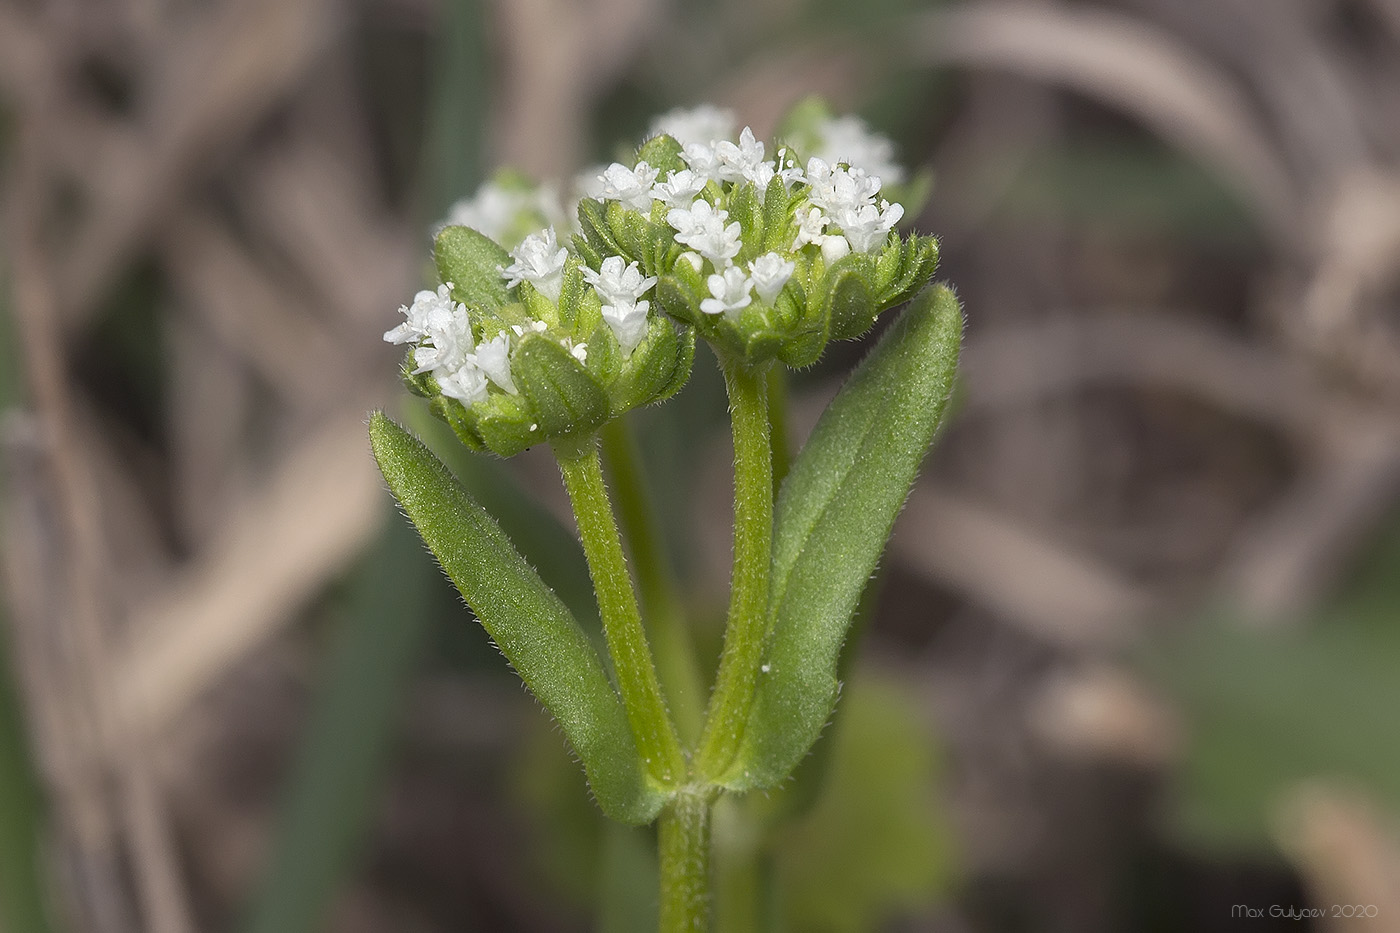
[472, 262]
[832, 519]
[528, 622]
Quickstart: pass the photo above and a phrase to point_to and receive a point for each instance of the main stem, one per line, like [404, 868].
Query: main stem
[664, 617]
[746, 629]
[652, 728]
[684, 842]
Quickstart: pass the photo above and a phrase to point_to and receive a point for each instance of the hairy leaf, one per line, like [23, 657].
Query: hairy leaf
[832, 519]
[472, 262]
[528, 622]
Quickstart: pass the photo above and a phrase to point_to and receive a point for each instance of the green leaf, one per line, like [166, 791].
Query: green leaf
[472, 262]
[528, 622]
[833, 516]
[565, 397]
[662, 153]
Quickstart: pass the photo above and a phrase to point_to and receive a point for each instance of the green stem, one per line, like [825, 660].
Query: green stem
[684, 841]
[778, 415]
[664, 615]
[746, 629]
[617, 605]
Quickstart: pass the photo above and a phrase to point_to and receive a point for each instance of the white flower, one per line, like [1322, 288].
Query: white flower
[835, 189]
[631, 186]
[679, 189]
[703, 124]
[811, 228]
[770, 273]
[577, 351]
[741, 161]
[617, 283]
[847, 139]
[534, 327]
[703, 159]
[730, 291]
[695, 260]
[620, 287]
[442, 325]
[867, 227]
[492, 357]
[539, 260]
[703, 229]
[782, 166]
[628, 322]
[466, 384]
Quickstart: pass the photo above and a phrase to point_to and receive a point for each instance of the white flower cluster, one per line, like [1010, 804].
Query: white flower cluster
[446, 348]
[843, 214]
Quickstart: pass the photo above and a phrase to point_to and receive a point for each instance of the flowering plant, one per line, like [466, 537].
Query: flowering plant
[532, 338]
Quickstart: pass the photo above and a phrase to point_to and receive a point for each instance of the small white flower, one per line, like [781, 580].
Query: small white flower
[466, 384]
[730, 291]
[703, 229]
[770, 273]
[741, 161]
[679, 189]
[617, 283]
[578, 351]
[703, 159]
[426, 307]
[534, 327]
[492, 357]
[695, 260]
[703, 124]
[811, 228]
[539, 260]
[868, 226]
[631, 186]
[628, 322]
[848, 139]
[835, 189]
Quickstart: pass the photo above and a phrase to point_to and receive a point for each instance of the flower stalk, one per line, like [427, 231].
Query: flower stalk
[651, 724]
[746, 627]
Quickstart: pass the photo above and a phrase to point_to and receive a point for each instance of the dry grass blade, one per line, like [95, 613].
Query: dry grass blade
[220, 77]
[1289, 559]
[312, 518]
[1017, 365]
[1131, 65]
[1035, 583]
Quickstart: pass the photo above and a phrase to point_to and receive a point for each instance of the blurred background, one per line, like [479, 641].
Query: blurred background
[1133, 660]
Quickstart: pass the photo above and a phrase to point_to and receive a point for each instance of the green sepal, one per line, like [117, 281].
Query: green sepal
[650, 373]
[564, 396]
[903, 269]
[579, 308]
[779, 223]
[648, 243]
[832, 520]
[527, 621]
[746, 208]
[596, 232]
[459, 418]
[679, 294]
[472, 262]
[848, 303]
[662, 153]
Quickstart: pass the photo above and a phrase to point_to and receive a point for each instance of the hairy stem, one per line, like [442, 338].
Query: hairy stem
[652, 728]
[746, 628]
[664, 614]
[684, 841]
